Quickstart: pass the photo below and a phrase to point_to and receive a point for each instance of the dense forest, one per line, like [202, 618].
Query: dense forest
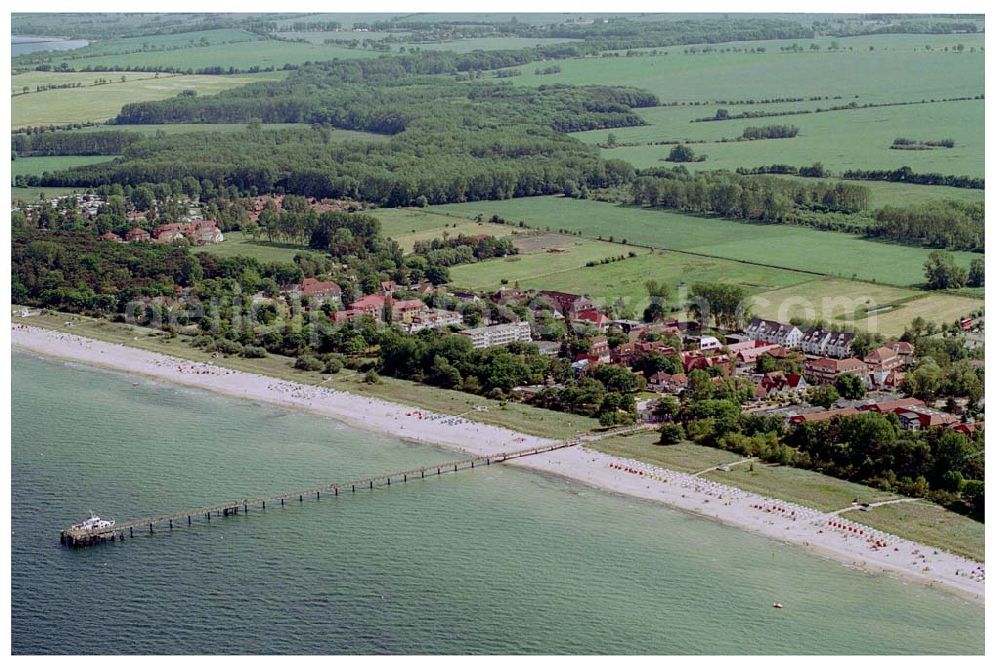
[452, 141]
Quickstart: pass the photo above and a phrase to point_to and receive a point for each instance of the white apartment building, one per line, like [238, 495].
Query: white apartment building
[774, 332]
[498, 335]
[433, 319]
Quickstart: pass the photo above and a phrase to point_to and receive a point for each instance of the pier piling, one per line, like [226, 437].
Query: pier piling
[80, 537]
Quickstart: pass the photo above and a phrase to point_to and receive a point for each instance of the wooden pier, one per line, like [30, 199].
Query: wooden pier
[151, 524]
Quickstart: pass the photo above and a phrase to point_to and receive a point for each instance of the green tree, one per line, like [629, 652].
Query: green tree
[850, 386]
[671, 433]
[942, 273]
[822, 396]
[681, 153]
[977, 272]
[924, 381]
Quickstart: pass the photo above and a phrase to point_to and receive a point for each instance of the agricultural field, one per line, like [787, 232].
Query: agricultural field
[867, 306]
[538, 267]
[781, 246]
[907, 194]
[488, 44]
[184, 128]
[317, 37]
[32, 79]
[237, 243]
[98, 103]
[841, 140]
[556, 255]
[240, 55]
[36, 166]
[120, 45]
[408, 225]
[876, 76]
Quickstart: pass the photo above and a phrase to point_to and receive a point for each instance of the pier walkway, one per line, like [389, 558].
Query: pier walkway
[150, 524]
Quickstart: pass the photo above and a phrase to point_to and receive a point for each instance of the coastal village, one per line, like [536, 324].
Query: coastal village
[784, 362]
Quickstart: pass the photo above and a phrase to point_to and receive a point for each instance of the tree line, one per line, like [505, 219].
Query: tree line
[942, 224]
[770, 200]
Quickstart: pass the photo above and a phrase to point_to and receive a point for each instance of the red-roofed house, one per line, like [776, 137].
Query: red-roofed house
[696, 360]
[922, 418]
[777, 382]
[967, 429]
[405, 311]
[826, 370]
[666, 383]
[135, 234]
[822, 416]
[569, 305]
[886, 406]
[313, 288]
[110, 236]
[594, 318]
[748, 356]
[883, 359]
[373, 305]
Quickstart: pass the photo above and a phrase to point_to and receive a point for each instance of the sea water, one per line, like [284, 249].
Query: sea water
[492, 560]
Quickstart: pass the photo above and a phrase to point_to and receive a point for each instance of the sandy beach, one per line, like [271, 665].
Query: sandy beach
[829, 535]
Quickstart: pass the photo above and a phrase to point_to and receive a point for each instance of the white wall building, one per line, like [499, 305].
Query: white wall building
[498, 335]
[774, 332]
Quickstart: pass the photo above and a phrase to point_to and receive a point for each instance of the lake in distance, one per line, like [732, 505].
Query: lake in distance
[495, 560]
[20, 44]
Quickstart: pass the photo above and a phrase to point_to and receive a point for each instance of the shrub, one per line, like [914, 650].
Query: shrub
[308, 362]
[671, 433]
[251, 351]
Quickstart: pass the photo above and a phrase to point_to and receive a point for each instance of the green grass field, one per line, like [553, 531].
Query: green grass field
[848, 302]
[841, 140]
[921, 521]
[605, 283]
[97, 103]
[409, 225]
[237, 243]
[36, 166]
[880, 75]
[179, 40]
[32, 194]
[564, 254]
[241, 55]
[183, 128]
[906, 194]
[33, 78]
[782, 246]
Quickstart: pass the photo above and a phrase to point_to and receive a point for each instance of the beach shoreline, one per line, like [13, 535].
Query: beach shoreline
[825, 535]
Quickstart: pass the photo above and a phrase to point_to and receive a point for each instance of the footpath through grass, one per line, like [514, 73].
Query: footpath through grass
[920, 521]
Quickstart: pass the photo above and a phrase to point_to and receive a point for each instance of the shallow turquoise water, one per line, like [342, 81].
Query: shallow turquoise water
[496, 560]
